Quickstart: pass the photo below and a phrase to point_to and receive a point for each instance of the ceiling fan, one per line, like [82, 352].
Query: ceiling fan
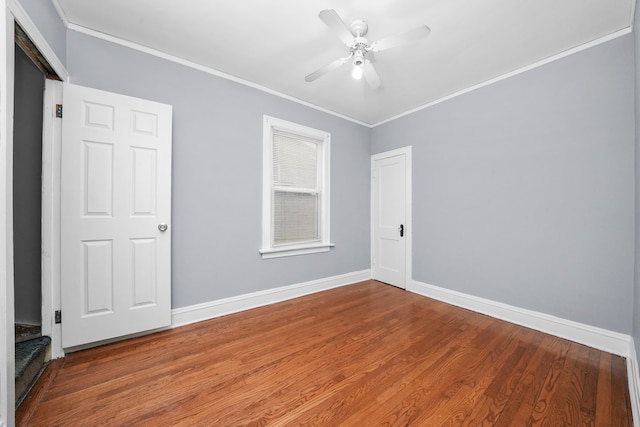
[360, 50]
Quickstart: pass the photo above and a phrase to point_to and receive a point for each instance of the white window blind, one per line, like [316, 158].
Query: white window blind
[296, 189]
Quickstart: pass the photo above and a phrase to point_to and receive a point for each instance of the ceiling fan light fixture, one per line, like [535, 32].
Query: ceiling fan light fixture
[356, 73]
[358, 62]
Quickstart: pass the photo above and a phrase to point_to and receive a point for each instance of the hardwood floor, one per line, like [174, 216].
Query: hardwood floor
[362, 355]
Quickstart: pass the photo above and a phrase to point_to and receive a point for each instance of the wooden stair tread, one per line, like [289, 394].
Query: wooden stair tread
[31, 358]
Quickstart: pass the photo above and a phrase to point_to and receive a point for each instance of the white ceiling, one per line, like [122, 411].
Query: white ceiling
[274, 44]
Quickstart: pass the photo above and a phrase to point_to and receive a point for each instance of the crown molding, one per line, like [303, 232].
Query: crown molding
[489, 82]
[205, 69]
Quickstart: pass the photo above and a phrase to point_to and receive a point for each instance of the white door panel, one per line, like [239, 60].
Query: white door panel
[390, 217]
[116, 189]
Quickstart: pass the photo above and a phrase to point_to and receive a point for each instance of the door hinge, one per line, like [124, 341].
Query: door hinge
[58, 316]
[59, 111]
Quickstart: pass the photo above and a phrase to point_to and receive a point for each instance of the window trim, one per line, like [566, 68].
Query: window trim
[269, 250]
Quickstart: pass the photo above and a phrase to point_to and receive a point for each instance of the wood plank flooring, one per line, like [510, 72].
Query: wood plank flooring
[362, 355]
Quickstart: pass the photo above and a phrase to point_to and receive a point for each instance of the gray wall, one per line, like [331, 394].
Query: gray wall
[524, 190]
[27, 189]
[217, 173]
[46, 19]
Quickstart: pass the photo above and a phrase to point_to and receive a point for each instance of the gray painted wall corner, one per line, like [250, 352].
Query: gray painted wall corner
[523, 190]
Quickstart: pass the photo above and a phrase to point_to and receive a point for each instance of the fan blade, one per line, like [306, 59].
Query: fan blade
[333, 21]
[371, 75]
[329, 67]
[409, 37]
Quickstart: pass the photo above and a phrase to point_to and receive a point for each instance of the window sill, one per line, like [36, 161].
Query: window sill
[295, 250]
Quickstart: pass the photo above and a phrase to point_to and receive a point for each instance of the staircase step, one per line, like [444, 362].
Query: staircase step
[31, 359]
[25, 332]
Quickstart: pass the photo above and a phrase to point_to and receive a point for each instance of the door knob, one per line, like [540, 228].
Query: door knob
[401, 230]
[162, 226]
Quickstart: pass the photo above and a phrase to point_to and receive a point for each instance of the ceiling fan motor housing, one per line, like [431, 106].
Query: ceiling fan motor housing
[358, 57]
[360, 44]
[359, 28]
[359, 49]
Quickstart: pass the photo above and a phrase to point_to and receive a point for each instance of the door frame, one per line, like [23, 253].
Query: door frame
[11, 11]
[50, 262]
[7, 316]
[407, 152]
[51, 140]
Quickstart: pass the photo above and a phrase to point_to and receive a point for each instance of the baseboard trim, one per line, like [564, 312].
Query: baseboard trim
[633, 377]
[209, 310]
[591, 336]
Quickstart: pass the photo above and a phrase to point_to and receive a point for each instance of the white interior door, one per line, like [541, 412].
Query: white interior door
[390, 217]
[116, 198]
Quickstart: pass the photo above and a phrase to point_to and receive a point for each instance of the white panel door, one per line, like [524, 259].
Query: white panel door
[390, 208]
[116, 193]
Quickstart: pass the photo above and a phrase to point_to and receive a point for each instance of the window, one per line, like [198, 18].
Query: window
[295, 200]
